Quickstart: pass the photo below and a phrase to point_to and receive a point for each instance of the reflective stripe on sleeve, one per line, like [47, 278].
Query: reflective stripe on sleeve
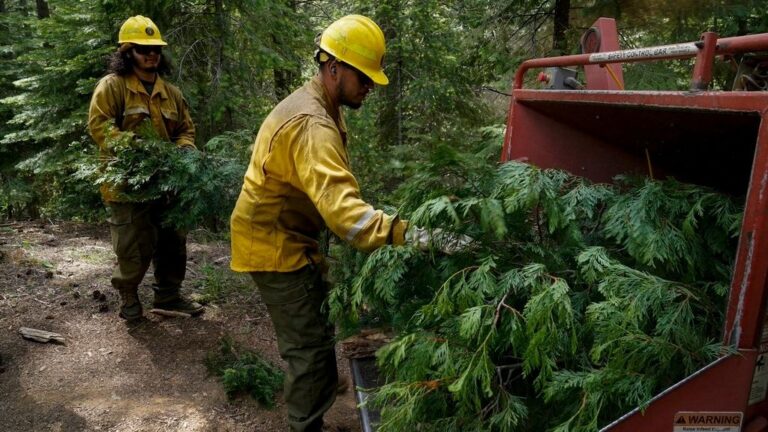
[360, 224]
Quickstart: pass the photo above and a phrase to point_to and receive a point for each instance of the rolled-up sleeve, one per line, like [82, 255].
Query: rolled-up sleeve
[324, 175]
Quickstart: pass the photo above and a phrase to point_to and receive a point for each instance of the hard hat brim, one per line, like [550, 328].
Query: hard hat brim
[378, 77]
[144, 42]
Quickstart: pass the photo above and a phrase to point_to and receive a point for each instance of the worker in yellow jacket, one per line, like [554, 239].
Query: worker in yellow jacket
[131, 93]
[297, 183]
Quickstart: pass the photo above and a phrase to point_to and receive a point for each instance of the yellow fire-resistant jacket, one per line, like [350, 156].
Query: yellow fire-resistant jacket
[121, 103]
[297, 182]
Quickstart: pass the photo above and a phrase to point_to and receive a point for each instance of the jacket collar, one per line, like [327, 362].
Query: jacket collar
[317, 88]
[134, 84]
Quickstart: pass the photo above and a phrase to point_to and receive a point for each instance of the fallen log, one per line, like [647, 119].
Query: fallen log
[169, 313]
[40, 335]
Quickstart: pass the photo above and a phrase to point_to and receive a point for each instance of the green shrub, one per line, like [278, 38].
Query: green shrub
[244, 371]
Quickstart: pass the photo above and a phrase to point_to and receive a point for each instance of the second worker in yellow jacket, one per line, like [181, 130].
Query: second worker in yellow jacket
[133, 93]
[298, 182]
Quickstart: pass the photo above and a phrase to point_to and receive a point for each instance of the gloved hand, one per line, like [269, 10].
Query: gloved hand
[446, 242]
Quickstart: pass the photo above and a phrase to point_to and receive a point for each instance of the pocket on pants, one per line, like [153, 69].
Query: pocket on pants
[295, 305]
[284, 289]
[132, 236]
[120, 218]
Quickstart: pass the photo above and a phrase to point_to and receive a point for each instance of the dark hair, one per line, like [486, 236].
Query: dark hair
[120, 62]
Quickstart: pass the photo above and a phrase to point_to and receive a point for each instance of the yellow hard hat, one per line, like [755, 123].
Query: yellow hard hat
[358, 41]
[140, 30]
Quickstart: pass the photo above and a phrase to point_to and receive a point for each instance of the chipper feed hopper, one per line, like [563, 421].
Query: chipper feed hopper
[714, 138]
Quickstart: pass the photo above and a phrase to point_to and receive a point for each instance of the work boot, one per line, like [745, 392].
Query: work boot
[130, 306]
[171, 299]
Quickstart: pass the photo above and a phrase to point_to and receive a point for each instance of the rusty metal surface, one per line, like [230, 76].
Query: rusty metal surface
[598, 77]
[721, 386]
[724, 46]
[719, 139]
[744, 321]
[600, 134]
[702, 70]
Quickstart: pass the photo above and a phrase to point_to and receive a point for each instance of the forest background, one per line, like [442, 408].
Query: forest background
[450, 65]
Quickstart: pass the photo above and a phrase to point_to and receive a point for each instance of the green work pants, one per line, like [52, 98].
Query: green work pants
[305, 339]
[138, 238]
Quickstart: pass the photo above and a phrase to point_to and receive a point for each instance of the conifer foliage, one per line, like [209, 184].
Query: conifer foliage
[142, 167]
[245, 371]
[576, 303]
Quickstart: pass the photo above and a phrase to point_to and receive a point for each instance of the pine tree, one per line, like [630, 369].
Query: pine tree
[56, 64]
[245, 371]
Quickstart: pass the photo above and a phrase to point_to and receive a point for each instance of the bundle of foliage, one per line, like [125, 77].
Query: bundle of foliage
[244, 371]
[136, 163]
[575, 303]
[198, 186]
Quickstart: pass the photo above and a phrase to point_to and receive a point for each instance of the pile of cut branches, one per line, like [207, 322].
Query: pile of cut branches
[576, 303]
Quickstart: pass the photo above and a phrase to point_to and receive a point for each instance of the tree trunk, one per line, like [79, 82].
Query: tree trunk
[285, 77]
[742, 26]
[221, 29]
[617, 10]
[390, 122]
[561, 24]
[42, 9]
[218, 69]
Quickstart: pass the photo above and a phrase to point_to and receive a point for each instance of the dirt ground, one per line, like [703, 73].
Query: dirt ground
[107, 376]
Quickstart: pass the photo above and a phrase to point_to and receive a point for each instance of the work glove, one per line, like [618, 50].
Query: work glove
[446, 242]
[186, 148]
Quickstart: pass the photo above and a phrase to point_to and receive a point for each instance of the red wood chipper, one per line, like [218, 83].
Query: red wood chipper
[714, 138]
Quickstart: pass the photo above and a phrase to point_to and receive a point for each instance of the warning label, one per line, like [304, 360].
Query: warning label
[707, 421]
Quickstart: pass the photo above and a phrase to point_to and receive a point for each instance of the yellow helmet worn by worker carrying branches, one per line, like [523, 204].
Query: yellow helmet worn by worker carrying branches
[359, 42]
[140, 30]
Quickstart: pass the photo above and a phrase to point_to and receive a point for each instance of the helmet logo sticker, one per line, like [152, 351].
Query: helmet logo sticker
[149, 31]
